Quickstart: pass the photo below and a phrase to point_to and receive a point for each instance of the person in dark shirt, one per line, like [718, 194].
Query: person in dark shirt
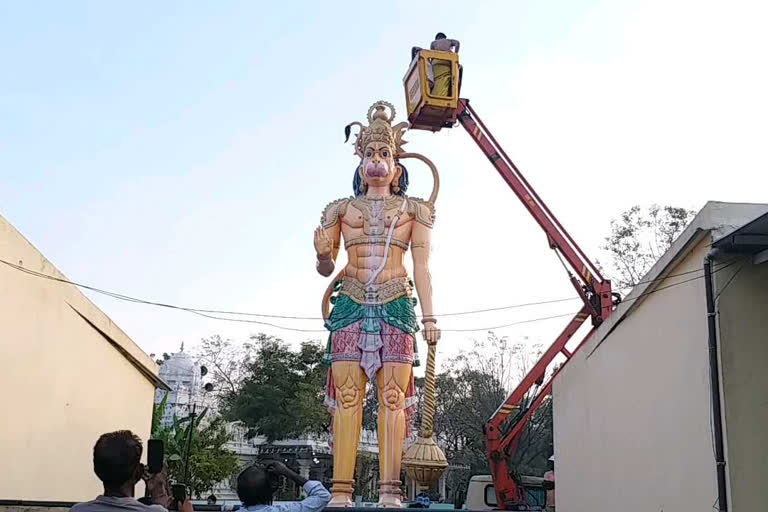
[117, 463]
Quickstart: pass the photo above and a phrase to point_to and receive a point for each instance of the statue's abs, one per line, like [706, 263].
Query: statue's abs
[365, 237]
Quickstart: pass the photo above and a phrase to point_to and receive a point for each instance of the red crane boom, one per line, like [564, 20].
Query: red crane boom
[503, 431]
[594, 290]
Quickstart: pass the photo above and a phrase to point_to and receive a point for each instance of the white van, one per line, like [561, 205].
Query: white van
[481, 493]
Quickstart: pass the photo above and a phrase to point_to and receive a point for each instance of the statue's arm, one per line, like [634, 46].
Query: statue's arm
[421, 275]
[420, 249]
[328, 238]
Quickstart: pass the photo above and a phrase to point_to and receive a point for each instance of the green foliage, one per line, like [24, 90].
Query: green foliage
[467, 398]
[277, 391]
[366, 471]
[371, 405]
[281, 392]
[209, 462]
[536, 443]
[469, 390]
[158, 410]
[639, 237]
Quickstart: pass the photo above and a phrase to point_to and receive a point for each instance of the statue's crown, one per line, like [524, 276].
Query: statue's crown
[379, 129]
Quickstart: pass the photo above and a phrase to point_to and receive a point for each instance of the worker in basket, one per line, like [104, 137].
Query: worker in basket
[439, 71]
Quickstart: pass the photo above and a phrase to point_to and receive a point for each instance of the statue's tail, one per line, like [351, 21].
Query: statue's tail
[326, 304]
[435, 175]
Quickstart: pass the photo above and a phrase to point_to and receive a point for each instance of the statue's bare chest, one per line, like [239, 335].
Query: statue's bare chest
[373, 217]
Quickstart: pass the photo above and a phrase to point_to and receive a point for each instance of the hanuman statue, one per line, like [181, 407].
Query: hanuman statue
[373, 322]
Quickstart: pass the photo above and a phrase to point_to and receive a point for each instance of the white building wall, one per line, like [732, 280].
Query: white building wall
[63, 382]
[743, 337]
[632, 419]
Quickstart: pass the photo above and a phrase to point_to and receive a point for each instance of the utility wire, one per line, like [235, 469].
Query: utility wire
[207, 313]
[730, 280]
[137, 300]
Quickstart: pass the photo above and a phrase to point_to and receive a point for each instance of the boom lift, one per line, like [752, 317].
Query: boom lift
[505, 428]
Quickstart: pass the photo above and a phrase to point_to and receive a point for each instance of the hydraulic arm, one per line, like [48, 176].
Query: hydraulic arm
[505, 428]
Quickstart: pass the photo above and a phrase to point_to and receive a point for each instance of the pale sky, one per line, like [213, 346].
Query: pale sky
[182, 151]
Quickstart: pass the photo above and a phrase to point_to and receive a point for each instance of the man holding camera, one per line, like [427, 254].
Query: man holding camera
[116, 461]
[256, 486]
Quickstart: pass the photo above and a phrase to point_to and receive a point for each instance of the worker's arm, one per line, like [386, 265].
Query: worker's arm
[316, 500]
[455, 43]
[317, 495]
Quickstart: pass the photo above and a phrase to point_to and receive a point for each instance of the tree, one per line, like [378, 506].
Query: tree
[366, 470]
[466, 400]
[638, 238]
[536, 443]
[469, 390]
[209, 461]
[158, 410]
[280, 392]
[507, 362]
[371, 406]
[227, 362]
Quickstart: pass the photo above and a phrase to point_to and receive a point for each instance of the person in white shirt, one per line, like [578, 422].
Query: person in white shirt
[256, 486]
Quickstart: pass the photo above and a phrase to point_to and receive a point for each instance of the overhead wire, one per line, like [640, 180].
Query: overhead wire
[137, 300]
[212, 314]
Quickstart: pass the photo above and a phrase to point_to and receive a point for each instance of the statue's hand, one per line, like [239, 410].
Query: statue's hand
[431, 332]
[323, 243]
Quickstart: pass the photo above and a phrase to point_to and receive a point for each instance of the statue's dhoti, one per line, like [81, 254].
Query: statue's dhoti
[372, 336]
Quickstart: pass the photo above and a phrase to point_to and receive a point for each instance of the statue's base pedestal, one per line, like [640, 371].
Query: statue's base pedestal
[389, 494]
[341, 494]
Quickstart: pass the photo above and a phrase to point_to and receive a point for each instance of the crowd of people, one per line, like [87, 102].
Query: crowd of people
[117, 463]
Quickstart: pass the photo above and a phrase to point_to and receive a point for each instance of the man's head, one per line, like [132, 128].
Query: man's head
[116, 459]
[211, 499]
[255, 486]
[439, 36]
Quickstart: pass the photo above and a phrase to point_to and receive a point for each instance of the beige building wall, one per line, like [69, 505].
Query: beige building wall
[743, 337]
[631, 411]
[68, 375]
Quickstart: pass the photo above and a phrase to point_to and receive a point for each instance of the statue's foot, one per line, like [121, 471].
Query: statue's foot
[389, 494]
[390, 502]
[341, 494]
[341, 500]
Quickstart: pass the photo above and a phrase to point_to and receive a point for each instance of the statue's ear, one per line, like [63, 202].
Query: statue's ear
[398, 173]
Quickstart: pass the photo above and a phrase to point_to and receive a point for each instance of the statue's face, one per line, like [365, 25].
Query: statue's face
[378, 164]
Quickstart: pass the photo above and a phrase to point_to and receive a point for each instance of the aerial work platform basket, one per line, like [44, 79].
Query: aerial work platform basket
[426, 109]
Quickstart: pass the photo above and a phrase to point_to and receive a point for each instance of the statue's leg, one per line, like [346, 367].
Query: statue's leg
[392, 380]
[349, 382]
